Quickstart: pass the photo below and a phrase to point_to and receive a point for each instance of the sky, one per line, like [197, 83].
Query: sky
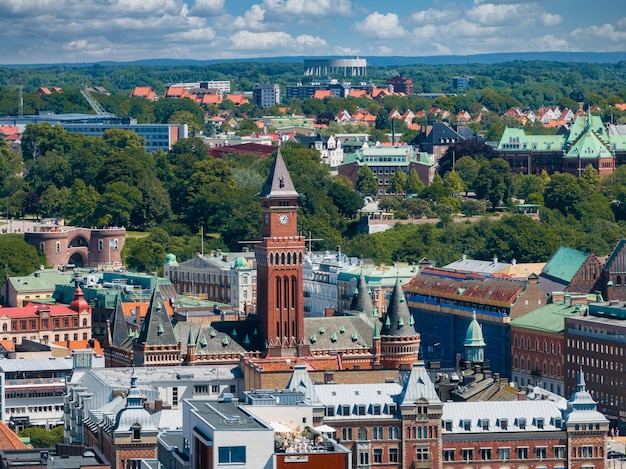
[75, 31]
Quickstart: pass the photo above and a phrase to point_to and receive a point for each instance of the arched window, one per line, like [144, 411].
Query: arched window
[523, 342]
[4, 327]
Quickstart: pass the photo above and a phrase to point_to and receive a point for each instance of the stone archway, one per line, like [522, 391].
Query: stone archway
[77, 259]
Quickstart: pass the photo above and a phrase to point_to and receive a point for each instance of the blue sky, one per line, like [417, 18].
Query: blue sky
[54, 31]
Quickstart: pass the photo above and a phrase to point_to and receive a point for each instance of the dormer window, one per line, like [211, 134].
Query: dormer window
[136, 429]
[467, 425]
[484, 424]
[447, 425]
[540, 423]
[521, 423]
[504, 424]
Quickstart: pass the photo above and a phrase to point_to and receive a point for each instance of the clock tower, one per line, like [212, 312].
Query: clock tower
[279, 257]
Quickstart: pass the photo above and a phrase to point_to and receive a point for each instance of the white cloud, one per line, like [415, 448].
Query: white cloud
[309, 7]
[433, 16]
[208, 7]
[381, 26]
[549, 20]
[252, 19]
[276, 41]
[498, 14]
[606, 32]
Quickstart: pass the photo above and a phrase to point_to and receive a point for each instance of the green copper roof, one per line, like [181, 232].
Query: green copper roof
[170, 259]
[589, 146]
[474, 335]
[241, 263]
[517, 140]
[550, 318]
[388, 156]
[565, 263]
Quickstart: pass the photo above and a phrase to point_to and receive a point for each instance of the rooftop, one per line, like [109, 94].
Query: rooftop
[226, 415]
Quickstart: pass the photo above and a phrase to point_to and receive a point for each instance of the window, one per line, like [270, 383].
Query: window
[448, 455]
[231, 454]
[364, 458]
[467, 454]
[421, 454]
[345, 410]
[540, 424]
[504, 424]
[484, 424]
[378, 455]
[504, 454]
[393, 455]
[377, 433]
[100, 244]
[215, 388]
[587, 451]
[330, 411]
[393, 433]
[136, 432]
[175, 395]
[522, 424]
[467, 425]
[361, 410]
[485, 454]
[559, 452]
[362, 434]
[346, 434]
[541, 452]
[447, 425]
[522, 453]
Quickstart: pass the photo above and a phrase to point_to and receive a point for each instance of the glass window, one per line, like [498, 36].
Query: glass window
[522, 453]
[231, 454]
[485, 454]
[393, 455]
[448, 455]
[504, 454]
[467, 454]
[378, 455]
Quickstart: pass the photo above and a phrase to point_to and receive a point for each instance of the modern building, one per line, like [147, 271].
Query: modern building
[33, 388]
[384, 162]
[355, 67]
[80, 247]
[461, 83]
[266, 95]
[156, 136]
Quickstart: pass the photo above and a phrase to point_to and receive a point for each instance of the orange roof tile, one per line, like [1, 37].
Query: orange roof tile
[621, 107]
[32, 310]
[72, 345]
[9, 439]
[8, 345]
[212, 99]
[176, 92]
[131, 306]
[321, 94]
[357, 94]
[237, 99]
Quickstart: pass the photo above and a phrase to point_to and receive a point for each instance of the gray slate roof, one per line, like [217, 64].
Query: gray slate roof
[156, 328]
[278, 183]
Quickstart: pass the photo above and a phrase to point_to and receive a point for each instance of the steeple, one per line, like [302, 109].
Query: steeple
[156, 328]
[278, 183]
[362, 301]
[398, 318]
[119, 332]
[474, 342]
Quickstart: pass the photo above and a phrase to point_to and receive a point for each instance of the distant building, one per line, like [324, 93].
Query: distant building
[401, 84]
[266, 95]
[355, 67]
[461, 83]
[384, 162]
[571, 270]
[81, 247]
[330, 148]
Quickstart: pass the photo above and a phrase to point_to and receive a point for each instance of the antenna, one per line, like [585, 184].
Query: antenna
[310, 240]
[20, 81]
[95, 105]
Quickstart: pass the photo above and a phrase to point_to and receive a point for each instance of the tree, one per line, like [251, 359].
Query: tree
[366, 184]
[41, 438]
[398, 181]
[453, 182]
[18, 257]
[382, 120]
[414, 184]
[493, 181]
[563, 192]
[467, 168]
[79, 209]
[114, 206]
[347, 201]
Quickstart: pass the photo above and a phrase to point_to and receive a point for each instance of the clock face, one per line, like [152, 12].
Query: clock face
[283, 219]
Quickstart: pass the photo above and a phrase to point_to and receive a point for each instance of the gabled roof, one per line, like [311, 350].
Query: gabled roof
[615, 262]
[156, 329]
[564, 264]
[301, 381]
[418, 385]
[278, 183]
[9, 439]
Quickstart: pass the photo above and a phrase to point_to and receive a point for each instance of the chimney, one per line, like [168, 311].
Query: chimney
[328, 312]
[521, 396]
[496, 377]
[158, 405]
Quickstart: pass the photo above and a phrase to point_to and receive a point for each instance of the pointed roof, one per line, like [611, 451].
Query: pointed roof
[278, 183]
[581, 407]
[301, 381]
[119, 329]
[418, 385]
[134, 413]
[398, 317]
[156, 328]
[362, 301]
[474, 335]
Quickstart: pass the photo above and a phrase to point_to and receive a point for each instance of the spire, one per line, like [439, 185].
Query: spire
[156, 328]
[376, 334]
[398, 314]
[581, 385]
[191, 341]
[278, 183]
[119, 329]
[588, 117]
[362, 301]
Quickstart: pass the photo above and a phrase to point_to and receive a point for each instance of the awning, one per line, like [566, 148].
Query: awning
[280, 428]
[324, 429]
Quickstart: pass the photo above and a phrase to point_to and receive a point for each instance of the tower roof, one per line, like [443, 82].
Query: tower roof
[156, 328]
[418, 385]
[474, 335]
[362, 301]
[119, 332]
[398, 320]
[278, 183]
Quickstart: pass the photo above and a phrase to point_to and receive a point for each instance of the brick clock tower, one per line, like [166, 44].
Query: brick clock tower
[279, 256]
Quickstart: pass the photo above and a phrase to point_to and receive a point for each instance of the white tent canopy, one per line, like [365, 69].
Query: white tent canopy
[324, 429]
[280, 428]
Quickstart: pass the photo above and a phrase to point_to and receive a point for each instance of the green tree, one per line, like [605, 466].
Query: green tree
[382, 120]
[563, 192]
[115, 205]
[414, 184]
[79, 209]
[19, 257]
[398, 181]
[366, 184]
[41, 438]
[453, 182]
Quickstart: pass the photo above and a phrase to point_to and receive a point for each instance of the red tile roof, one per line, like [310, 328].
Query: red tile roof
[72, 345]
[321, 94]
[31, 310]
[9, 439]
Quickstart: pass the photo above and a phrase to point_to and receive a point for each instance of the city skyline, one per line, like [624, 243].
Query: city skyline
[73, 31]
